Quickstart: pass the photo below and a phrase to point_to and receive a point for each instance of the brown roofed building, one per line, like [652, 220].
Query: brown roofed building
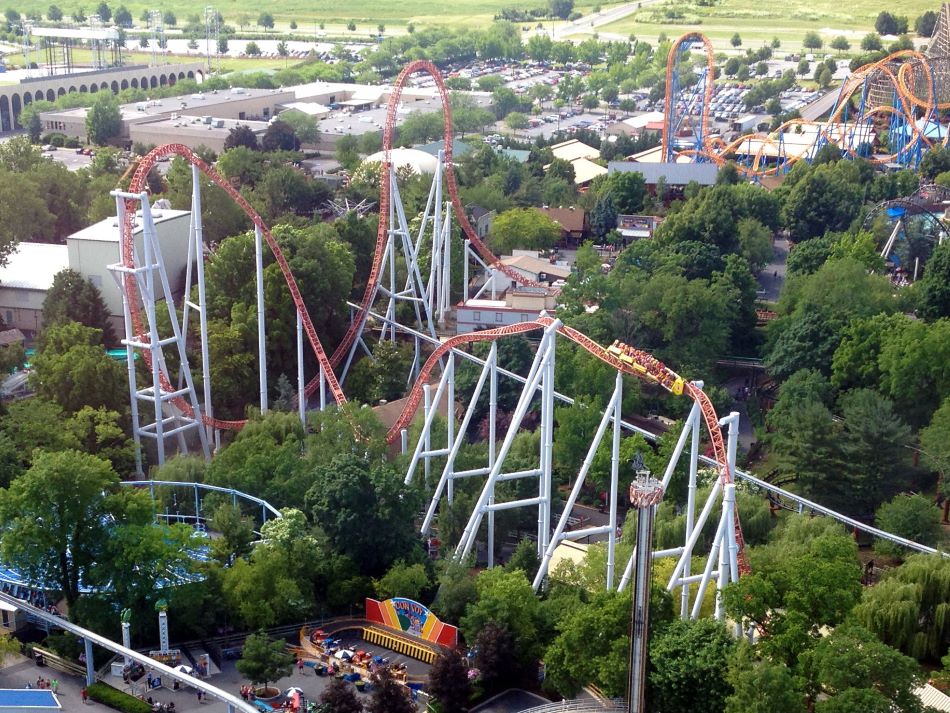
[573, 222]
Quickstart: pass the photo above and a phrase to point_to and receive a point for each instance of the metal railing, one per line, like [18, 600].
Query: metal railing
[585, 706]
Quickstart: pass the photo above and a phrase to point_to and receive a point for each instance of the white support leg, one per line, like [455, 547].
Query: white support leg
[261, 341]
[301, 383]
[614, 479]
[691, 498]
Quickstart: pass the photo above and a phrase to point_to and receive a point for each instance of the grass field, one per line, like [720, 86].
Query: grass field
[758, 22]
[367, 14]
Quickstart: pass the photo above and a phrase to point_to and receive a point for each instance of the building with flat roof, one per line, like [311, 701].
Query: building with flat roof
[675, 175]
[91, 251]
[14, 97]
[193, 131]
[25, 280]
[235, 105]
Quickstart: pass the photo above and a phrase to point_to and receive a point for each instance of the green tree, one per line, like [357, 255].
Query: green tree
[103, 11]
[764, 687]
[603, 218]
[351, 26]
[907, 608]
[516, 121]
[935, 444]
[280, 136]
[266, 20]
[755, 241]
[852, 659]
[934, 287]
[871, 42]
[263, 660]
[122, 17]
[812, 41]
[237, 534]
[924, 24]
[72, 299]
[506, 599]
[103, 120]
[354, 502]
[71, 367]
[8, 647]
[402, 580]
[840, 43]
[889, 24]
[628, 190]
[686, 669]
[59, 518]
[389, 696]
[495, 654]
[561, 8]
[449, 686]
[340, 697]
[913, 517]
[526, 228]
[54, 13]
[241, 135]
[735, 40]
[251, 49]
[304, 126]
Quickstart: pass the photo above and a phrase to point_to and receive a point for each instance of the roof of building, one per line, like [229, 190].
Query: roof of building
[308, 108]
[32, 266]
[11, 336]
[205, 101]
[536, 266]
[107, 230]
[574, 149]
[194, 126]
[519, 155]
[642, 120]
[933, 698]
[570, 219]
[420, 161]
[675, 174]
[586, 171]
[459, 148]
[477, 211]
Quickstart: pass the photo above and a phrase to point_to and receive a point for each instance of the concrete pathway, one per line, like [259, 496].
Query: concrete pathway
[772, 277]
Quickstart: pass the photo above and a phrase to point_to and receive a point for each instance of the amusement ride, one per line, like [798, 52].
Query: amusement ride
[896, 97]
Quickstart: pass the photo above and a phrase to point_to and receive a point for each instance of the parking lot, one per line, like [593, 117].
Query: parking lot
[69, 158]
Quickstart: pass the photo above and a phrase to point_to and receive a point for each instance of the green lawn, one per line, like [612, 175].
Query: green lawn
[758, 22]
[367, 14]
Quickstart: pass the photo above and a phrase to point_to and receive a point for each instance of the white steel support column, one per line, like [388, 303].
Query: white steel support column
[544, 354]
[492, 435]
[449, 415]
[692, 419]
[559, 531]
[694, 416]
[448, 471]
[547, 450]
[202, 299]
[150, 280]
[261, 341]
[614, 479]
[708, 571]
[301, 383]
[122, 279]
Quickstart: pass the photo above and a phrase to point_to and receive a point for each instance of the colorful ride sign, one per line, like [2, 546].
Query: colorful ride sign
[411, 618]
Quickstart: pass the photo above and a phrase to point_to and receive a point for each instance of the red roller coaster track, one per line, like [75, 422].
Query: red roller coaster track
[651, 369]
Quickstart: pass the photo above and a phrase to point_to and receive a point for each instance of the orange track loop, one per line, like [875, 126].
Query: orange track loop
[128, 260]
[910, 60]
[707, 90]
[656, 372]
[385, 199]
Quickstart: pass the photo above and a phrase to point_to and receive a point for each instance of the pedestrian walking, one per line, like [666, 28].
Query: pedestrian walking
[300, 665]
[84, 694]
[54, 684]
[199, 695]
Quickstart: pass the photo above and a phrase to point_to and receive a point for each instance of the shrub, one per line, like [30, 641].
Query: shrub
[72, 143]
[57, 140]
[114, 698]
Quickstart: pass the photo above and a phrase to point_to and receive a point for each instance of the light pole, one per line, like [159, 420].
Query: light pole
[646, 492]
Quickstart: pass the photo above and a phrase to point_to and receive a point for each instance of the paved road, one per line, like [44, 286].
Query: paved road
[772, 277]
[605, 17]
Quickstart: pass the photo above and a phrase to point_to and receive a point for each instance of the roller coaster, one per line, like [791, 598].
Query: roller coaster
[885, 112]
[175, 411]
